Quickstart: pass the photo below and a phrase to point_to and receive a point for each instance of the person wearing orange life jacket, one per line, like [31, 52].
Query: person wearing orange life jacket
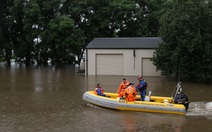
[99, 91]
[123, 85]
[130, 93]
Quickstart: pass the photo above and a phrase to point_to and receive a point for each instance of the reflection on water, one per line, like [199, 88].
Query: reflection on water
[133, 121]
[50, 100]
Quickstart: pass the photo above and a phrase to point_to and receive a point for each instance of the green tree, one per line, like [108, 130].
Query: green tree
[1, 47]
[31, 28]
[24, 21]
[77, 10]
[108, 18]
[153, 14]
[64, 39]
[16, 24]
[128, 18]
[186, 30]
[6, 39]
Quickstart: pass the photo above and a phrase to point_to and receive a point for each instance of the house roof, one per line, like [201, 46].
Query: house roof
[125, 43]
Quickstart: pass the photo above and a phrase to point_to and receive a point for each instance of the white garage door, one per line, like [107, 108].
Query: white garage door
[148, 68]
[109, 64]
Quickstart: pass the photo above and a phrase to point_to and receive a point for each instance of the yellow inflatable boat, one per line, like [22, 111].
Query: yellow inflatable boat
[176, 104]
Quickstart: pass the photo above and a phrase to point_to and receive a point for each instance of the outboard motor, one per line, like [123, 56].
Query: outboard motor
[179, 97]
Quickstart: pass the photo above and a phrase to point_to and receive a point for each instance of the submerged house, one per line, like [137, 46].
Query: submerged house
[121, 56]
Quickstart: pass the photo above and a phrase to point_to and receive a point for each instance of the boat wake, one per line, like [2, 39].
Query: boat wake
[200, 109]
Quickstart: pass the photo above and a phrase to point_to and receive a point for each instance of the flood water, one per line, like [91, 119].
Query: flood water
[50, 100]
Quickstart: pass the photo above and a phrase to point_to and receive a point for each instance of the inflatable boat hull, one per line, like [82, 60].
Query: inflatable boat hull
[155, 104]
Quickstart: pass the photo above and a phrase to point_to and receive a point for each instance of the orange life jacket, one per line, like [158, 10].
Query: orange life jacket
[122, 86]
[130, 93]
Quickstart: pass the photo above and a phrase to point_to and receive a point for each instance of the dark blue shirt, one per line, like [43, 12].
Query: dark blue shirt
[142, 85]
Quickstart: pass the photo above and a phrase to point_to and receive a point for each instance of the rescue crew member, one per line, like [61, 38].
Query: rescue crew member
[99, 91]
[130, 93]
[124, 84]
[141, 87]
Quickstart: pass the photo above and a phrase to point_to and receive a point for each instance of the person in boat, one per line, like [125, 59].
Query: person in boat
[123, 85]
[141, 87]
[99, 91]
[130, 93]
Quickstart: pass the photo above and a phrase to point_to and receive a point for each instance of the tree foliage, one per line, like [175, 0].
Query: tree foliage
[56, 30]
[187, 34]
[64, 39]
[42, 30]
[5, 35]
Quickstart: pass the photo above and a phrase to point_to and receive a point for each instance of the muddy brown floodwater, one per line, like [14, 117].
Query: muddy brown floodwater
[39, 99]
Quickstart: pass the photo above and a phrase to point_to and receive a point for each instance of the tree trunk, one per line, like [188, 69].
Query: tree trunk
[28, 58]
[8, 56]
